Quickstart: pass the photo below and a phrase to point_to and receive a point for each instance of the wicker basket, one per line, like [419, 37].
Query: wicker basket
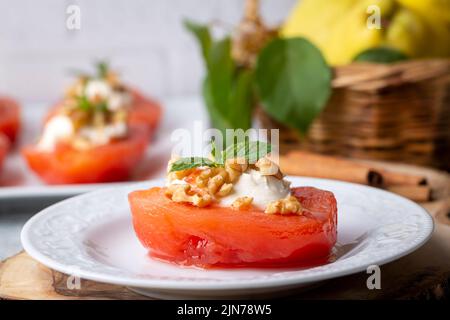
[398, 112]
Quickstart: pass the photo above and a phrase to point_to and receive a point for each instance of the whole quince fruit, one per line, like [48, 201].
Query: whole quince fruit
[344, 28]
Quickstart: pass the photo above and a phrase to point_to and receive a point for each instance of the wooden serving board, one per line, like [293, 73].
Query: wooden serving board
[423, 274]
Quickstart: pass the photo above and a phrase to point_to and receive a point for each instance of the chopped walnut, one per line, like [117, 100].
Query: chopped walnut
[171, 162]
[201, 200]
[289, 205]
[225, 190]
[179, 192]
[233, 175]
[235, 167]
[120, 116]
[215, 183]
[177, 175]
[185, 193]
[202, 185]
[242, 203]
[221, 172]
[238, 164]
[113, 79]
[268, 168]
[77, 88]
[212, 179]
[206, 174]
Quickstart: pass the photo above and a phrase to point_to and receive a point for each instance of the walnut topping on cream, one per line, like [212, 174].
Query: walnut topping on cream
[235, 183]
[93, 113]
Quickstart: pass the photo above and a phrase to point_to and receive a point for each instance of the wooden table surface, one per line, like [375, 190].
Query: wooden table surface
[423, 274]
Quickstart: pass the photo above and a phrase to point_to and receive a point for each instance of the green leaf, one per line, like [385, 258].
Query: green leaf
[190, 163]
[202, 34]
[241, 100]
[84, 103]
[227, 90]
[102, 107]
[381, 55]
[293, 81]
[220, 73]
[213, 149]
[218, 83]
[102, 69]
[252, 151]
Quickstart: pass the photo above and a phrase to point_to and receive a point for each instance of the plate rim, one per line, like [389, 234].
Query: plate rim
[191, 285]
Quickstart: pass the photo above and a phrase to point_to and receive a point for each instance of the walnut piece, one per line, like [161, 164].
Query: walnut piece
[268, 168]
[288, 205]
[234, 168]
[201, 188]
[225, 190]
[238, 164]
[172, 161]
[215, 183]
[179, 175]
[242, 203]
[185, 193]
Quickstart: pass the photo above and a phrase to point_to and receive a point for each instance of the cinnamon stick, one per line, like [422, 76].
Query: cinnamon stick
[320, 166]
[332, 167]
[415, 193]
[392, 178]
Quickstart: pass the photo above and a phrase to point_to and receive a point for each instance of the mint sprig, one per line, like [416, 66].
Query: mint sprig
[83, 103]
[251, 151]
[102, 69]
[190, 163]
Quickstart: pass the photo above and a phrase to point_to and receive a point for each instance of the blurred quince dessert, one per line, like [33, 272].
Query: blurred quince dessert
[9, 118]
[106, 87]
[98, 133]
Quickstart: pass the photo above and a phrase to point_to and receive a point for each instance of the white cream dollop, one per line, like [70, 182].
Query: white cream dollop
[103, 135]
[115, 100]
[58, 128]
[263, 189]
[98, 88]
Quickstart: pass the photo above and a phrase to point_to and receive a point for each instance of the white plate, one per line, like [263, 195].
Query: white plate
[91, 236]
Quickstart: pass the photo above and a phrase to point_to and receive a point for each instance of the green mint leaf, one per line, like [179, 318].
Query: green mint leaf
[213, 149]
[202, 34]
[84, 103]
[252, 151]
[190, 163]
[102, 107]
[293, 81]
[380, 55]
[102, 69]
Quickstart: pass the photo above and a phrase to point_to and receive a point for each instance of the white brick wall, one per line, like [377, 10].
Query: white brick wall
[143, 39]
